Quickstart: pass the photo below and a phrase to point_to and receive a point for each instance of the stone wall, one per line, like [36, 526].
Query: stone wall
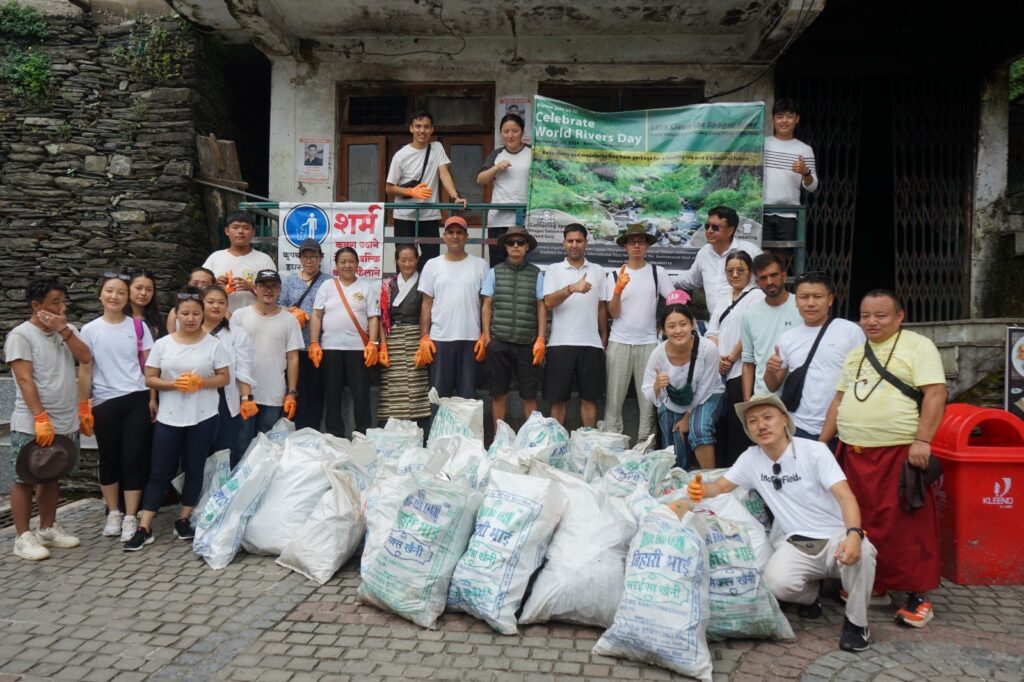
[98, 175]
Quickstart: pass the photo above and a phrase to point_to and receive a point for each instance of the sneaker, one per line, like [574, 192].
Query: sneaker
[878, 597]
[916, 613]
[141, 538]
[55, 536]
[854, 638]
[27, 546]
[812, 610]
[183, 529]
[129, 525]
[113, 524]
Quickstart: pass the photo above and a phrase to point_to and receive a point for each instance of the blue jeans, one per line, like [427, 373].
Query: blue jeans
[261, 423]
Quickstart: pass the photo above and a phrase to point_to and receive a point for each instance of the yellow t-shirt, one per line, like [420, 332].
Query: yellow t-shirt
[886, 417]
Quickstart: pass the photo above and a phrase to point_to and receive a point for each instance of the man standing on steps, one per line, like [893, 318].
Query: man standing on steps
[708, 269]
[765, 321]
[814, 379]
[236, 266]
[636, 289]
[451, 339]
[413, 176]
[576, 290]
[888, 405]
[788, 168]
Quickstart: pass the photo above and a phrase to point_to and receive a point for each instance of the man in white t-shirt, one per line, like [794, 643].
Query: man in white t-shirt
[788, 168]
[765, 321]
[576, 290]
[708, 269]
[276, 341]
[637, 287]
[450, 332]
[413, 177]
[814, 297]
[42, 353]
[236, 266]
[815, 510]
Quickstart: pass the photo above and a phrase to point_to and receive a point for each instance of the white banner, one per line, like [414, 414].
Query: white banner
[357, 225]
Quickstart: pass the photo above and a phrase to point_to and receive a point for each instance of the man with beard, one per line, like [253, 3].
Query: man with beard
[765, 322]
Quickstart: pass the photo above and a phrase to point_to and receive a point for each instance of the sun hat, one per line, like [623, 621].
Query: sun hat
[635, 229]
[518, 232]
[769, 399]
[37, 464]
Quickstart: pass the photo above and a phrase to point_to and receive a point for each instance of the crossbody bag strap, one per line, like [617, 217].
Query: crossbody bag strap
[817, 340]
[901, 386]
[426, 157]
[693, 358]
[734, 304]
[355, 322]
[138, 343]
[298, 303]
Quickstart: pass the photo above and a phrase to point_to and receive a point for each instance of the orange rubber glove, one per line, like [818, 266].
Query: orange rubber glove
[425, 354]
[383, 359]
[540, 349]
[230, 286]
[621, 281]
[289, 406]
[371, 354]
[188, 382]
[421, 191]
[44, 429]
[248, 409]
[316, 354]
[300, 315]
[695, 490]
[85, 419]
[480, 349]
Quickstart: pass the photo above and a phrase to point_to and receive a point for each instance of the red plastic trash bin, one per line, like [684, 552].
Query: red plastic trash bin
[980, 497]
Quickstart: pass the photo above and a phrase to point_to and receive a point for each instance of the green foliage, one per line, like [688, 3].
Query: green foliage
[20, 21]
[1017, 79]
[154, 53]
[64, 133]
[29, 74]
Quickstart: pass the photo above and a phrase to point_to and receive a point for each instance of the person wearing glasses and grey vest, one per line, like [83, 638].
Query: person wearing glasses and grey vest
[708, 269]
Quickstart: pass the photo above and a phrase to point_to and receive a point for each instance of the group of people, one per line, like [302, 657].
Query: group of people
[771, 372]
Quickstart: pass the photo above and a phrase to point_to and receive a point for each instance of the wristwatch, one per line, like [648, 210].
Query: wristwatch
[858, 531]
[243, 398]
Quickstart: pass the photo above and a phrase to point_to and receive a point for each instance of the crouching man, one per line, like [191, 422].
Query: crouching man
[817, 513]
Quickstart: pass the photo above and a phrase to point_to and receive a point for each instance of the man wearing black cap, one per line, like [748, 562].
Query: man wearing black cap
[297, 295]
[276, 340]
[514, 320]
[42, 354]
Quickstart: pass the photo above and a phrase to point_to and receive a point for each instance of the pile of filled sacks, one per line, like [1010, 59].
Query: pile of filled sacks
[542, 526]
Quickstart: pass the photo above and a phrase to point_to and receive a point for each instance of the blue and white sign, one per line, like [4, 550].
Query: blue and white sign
[334, 225]
[305, 221]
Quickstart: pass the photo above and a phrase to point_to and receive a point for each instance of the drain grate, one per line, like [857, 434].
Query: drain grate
[7, 516]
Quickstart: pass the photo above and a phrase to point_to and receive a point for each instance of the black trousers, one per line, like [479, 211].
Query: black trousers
[309, 411]
[343, 368]
[123, 434]
[732, 439]
[174, 446]
[453, 372]
[428, 228]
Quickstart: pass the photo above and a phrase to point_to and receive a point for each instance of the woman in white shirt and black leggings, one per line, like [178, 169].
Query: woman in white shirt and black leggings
[186, 367]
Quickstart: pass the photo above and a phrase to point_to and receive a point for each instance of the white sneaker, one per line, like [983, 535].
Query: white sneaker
[55, 536]
[128, 527]
[113, 524]
[27, 547]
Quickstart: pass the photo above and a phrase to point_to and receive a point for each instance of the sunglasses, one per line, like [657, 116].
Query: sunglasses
[143, 273]
[184, 296]
[708, 227]
[117, 275]
[516, 242]
[777, 480]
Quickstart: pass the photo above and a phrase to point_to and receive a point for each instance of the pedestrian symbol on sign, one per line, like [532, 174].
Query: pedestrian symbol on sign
[303, 222]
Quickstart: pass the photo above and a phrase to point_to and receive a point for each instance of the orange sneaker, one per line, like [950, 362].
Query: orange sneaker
[878, 597]
[916, 613]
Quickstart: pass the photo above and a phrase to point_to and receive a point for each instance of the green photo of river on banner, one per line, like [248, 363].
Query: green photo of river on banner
[662, 168]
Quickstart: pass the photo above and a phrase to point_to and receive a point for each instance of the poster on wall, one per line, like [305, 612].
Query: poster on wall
[314, 154]
[1013, 396]
[335, 225]
[662, 168]
[520, 106]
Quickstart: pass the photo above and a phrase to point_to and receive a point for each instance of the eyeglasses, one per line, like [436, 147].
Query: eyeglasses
[516, 242]
[185, 296]
[310, 256]
[124, 277]
[777, 480]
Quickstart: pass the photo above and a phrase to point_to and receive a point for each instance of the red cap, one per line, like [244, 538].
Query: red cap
[456, 220]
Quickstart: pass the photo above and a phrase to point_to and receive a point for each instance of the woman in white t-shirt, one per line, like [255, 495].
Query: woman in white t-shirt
[236, 402]
[508, 167]
[682, 380]
[113, 402]
[186, 367]
[343, 334]
[142, 303]
[724, 331]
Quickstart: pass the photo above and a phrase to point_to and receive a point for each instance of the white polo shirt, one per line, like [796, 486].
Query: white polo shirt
[574, 323]
[708, 270]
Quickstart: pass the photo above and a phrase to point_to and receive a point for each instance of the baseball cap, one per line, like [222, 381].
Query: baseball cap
[267, 276]
[677, 297]
[310, 245]
[456, 221]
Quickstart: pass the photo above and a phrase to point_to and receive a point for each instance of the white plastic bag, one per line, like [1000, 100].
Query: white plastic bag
[222, 521]
[296, 487]
[417, 527]
[741, 603]
[515, 522]
[582, 442]
[637, 470]
[466, 460]
[665, 607]
[731, 509]
[410, 460]
[504, 439]
[540, 431]
[281, 429]
[216, 473]
[455, 415]
[582, 577]
[333, 531]
[396, 436]
[358, 457]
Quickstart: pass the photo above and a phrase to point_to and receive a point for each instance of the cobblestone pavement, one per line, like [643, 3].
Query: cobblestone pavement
[97, 613]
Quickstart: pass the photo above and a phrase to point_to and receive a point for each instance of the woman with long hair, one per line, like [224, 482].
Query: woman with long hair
[142, 304]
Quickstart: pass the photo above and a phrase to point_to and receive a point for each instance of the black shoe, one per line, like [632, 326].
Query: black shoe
[141, 538]
[854, 638]
[812, 610]
[183, 529]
